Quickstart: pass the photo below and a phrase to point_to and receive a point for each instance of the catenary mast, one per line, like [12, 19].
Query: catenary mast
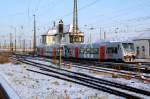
[34, 36]
[76, 36]
[75, 18]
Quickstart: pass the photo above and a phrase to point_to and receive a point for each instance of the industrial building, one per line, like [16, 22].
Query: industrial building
[62, 34]
[142, 48]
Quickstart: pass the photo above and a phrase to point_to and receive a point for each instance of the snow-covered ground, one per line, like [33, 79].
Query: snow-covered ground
[132, 82]
[29, 85]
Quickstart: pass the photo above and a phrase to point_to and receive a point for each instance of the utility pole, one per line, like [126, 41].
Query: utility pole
[15, 40]
[34, 37]
[24, 46]
[104, 35]
[20, 44]
[5, 46]
[30, 45]
[100, 31]
[116, 32]
[11, 43]
[91, 35]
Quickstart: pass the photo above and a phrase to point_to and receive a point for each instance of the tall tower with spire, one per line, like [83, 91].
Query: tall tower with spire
[76, 35]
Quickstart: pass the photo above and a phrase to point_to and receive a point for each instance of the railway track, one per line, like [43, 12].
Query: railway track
[95, 68]
[98, 69]
[144, 68]
[86, 80]
[133, 67]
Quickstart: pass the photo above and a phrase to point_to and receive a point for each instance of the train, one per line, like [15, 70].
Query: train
[104, 51]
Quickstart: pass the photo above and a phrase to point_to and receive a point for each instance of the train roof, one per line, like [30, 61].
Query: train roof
[84, 44]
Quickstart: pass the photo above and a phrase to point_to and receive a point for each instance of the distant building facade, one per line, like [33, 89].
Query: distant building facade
[142, 47]
[49, 37]
[61, 34]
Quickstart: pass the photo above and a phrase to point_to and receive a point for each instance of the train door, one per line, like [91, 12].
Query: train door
[76, 52]
[42, 51]
[102, 52]
[54, 53]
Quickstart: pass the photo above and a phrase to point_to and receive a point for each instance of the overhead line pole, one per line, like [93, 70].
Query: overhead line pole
[34, 38]
[15, 40]
[11, 43]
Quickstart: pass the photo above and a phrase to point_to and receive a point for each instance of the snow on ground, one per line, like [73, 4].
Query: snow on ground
[29, 85]
[132, 82]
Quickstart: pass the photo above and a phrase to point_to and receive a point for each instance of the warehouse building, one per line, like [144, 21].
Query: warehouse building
[142, 48]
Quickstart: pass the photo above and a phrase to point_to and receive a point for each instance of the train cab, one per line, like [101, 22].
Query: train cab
[128, 52]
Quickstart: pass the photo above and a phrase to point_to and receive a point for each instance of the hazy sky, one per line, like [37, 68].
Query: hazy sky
[108, 14]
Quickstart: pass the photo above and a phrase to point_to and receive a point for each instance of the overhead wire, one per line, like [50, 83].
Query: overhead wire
[12, 15]
[71, 13]
[53, 3]
[82, 8]
[120, 12]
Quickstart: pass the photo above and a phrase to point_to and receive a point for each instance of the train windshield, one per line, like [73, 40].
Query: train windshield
[128, 47]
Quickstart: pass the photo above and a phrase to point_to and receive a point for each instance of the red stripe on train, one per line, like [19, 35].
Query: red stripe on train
[76, 53]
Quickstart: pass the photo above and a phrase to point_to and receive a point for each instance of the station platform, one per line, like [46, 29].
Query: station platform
[6, 91]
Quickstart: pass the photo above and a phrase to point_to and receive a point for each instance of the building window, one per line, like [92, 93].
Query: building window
[76, 38]
[53, 39]
[82, 39]
[71, 39]
[143, 48]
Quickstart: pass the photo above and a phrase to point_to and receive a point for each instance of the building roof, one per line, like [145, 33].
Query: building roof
[127, 36]
[51, 31]
[54, 30]
[143, 36]
[68, 28]
[142, 39]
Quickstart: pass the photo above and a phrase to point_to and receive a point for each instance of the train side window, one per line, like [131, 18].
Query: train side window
[109, 50]
[118, 47]
[81, 51]
[95, 51]
[88, 50]
[91, 51]
[137, 50]
[115, 50]
[112, 50]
